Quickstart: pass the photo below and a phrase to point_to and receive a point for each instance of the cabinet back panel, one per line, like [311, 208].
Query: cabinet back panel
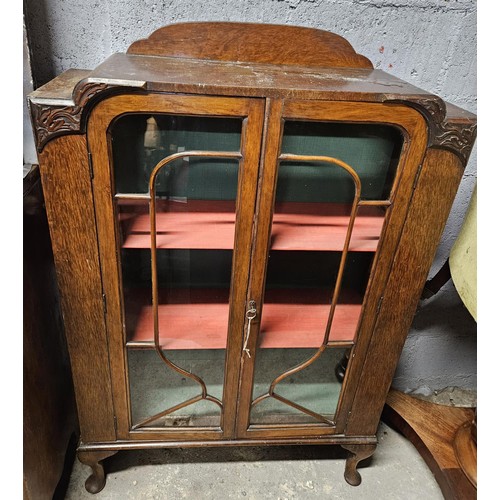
[140, 141]
[372, 150]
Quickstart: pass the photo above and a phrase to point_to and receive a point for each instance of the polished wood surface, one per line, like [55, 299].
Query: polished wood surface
[60, 90]
[415, 130]
[451, 127]
[465, 446]
[433, 430]
[357, 453]
[109, 242]
[430, 205]
[233, 78]
[250, 42]
[97, 480]
[70, 212]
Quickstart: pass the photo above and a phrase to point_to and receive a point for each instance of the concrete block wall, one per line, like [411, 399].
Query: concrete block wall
[430, 43]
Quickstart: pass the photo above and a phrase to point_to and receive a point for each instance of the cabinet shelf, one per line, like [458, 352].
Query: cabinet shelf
[198, 319]
[210, 225]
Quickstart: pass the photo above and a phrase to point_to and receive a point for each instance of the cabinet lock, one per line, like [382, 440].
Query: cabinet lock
[250, 315]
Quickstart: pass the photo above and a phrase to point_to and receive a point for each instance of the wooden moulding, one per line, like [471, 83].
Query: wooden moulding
[163, 442]
[61, 106]
[450, 128]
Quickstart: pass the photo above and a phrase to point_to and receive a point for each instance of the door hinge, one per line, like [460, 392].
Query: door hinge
[379, 305]
[91, 165]
[417, 175]
[349, 413]
[115, 423]
[104, 303]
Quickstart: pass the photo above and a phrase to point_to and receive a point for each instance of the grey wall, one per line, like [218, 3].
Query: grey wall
[29, 150]
[430, 43]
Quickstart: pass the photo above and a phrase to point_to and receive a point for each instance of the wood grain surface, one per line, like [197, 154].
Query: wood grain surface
[70, 211]
[432, 429]
[251, 42]
[49, 412]
[427, 215]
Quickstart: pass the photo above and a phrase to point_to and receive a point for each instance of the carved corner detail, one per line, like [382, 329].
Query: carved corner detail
[50, 121]
[431, 106]
[458, 137]
[455, 134]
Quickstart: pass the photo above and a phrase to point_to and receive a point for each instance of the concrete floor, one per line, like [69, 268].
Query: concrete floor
[396, 471]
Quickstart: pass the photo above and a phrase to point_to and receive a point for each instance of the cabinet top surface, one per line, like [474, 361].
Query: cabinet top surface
[177, 74]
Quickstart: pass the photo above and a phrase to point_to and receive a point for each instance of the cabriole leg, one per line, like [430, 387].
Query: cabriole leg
[97, 480]
[357, 452]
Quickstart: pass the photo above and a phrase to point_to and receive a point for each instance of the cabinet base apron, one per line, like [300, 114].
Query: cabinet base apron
[93, 454]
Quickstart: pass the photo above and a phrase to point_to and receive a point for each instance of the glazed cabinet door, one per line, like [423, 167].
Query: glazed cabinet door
[174, 186]
[332, 203]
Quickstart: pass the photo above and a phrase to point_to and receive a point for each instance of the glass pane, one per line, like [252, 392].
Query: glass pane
[315, 284]
[372, 150]
[155, 387]
[317, 387]
[194, 220]
[139, 142]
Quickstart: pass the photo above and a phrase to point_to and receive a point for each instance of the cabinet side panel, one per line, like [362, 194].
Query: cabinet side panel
[427, 215]
[68, 198]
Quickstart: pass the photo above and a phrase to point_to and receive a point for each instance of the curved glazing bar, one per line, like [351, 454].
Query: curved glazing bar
[154, 281]
[338, 284]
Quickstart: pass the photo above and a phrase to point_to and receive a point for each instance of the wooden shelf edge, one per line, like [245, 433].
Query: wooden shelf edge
[334, 344]
[283, 324]
[432, 429]
[201, 225]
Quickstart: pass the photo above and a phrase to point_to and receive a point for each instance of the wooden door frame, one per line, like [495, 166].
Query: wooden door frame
[102, 116]
[414, 129]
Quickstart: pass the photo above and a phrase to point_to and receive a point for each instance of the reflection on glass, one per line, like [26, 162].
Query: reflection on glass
[155, 387]
[305, 324]
[177, 380]
[372, 150]
[316, 388]
[139, 142]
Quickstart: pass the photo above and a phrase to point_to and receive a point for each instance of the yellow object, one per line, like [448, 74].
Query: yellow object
[463, 259]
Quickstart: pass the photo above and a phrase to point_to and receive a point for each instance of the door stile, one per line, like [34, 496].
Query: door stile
[249, 167]
[414, 130]
[273, 130]
[251, 111]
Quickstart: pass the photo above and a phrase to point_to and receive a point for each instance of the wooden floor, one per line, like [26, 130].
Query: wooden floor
[441, 434]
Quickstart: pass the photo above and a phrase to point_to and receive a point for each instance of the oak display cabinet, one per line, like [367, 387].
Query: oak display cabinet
[243, 218]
